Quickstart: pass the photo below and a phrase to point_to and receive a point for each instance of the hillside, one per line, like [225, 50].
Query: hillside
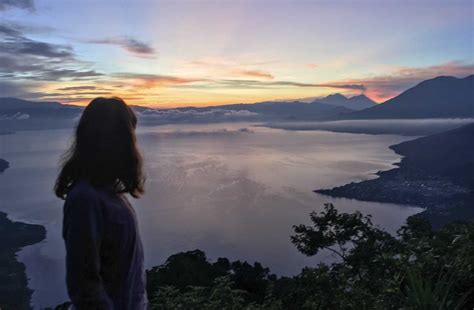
[19, 114]
[436, 173]
[44, 109]
[449, 154]
[441, 97]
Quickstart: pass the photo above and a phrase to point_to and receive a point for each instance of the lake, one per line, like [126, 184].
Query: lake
[230, 189]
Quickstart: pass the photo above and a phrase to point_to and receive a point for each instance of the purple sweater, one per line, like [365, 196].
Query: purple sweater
[104, 254]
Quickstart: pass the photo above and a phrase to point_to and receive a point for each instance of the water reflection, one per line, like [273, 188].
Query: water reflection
[231, 190]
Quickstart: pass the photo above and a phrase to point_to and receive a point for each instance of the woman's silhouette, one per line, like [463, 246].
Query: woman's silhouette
[104, 260]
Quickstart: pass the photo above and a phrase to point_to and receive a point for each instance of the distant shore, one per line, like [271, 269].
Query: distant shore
[436, 173]
[442, 200]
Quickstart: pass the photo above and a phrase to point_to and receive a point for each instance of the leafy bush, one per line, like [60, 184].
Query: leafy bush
[417, 269]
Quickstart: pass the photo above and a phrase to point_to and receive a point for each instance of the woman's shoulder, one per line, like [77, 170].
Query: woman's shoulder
[84, 191]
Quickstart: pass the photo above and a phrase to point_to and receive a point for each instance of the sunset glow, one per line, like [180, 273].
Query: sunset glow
[181, 53]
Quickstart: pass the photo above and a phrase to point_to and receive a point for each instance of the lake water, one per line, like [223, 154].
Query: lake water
[232, 190]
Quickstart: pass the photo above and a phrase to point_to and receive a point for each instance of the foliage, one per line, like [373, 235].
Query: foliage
[417, 269]
[190, 271]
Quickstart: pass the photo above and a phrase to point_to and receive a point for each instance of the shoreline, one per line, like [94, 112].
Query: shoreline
[438, 181]
[413, 189]
[14, 290]
[14, 236]
[4, 165]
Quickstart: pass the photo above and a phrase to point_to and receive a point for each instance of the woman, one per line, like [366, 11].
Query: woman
[104, 256]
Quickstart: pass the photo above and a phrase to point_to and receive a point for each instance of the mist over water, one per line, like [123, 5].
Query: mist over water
[406, 127]
[232, 190]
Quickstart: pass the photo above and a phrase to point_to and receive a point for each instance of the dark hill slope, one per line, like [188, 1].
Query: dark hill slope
[449, 154]
[9, 107]
[441, 97]
[436, 173]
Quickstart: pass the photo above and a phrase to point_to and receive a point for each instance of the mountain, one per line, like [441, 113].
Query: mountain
[354, 103]
[14, 108]
[441, 97]
[12, 104]
[436, 173]
[18, 114]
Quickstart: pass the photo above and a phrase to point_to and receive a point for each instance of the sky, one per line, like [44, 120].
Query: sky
[180, 53]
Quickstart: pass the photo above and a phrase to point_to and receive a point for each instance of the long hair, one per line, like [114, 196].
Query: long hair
[104, 151]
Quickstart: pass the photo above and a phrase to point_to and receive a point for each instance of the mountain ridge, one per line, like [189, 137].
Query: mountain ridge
[358, 102]
[439, 97]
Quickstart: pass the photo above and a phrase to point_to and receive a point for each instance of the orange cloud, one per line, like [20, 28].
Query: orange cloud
[229, 68]
[153, 80]
[254, 74]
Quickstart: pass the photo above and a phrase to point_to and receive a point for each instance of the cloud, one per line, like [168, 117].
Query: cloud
[31, 68]
[17, 116]
[413, 127]
[201, 133]
[133, 46]
[14, 42]
[74, 74]
[19, 4]
[15, 89]
[12, 64]
[154, 80]
[229, 68]
[9, 31]
[78, 88]
[326, 85]
[77, 93]
[228, 62]
[26, 46]
[194, 116]
[23, 59]
[29, 28]
[36, 63]
[379, 88]
[257, 84]
[383, 87]
[312, 65]
[255, 74]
